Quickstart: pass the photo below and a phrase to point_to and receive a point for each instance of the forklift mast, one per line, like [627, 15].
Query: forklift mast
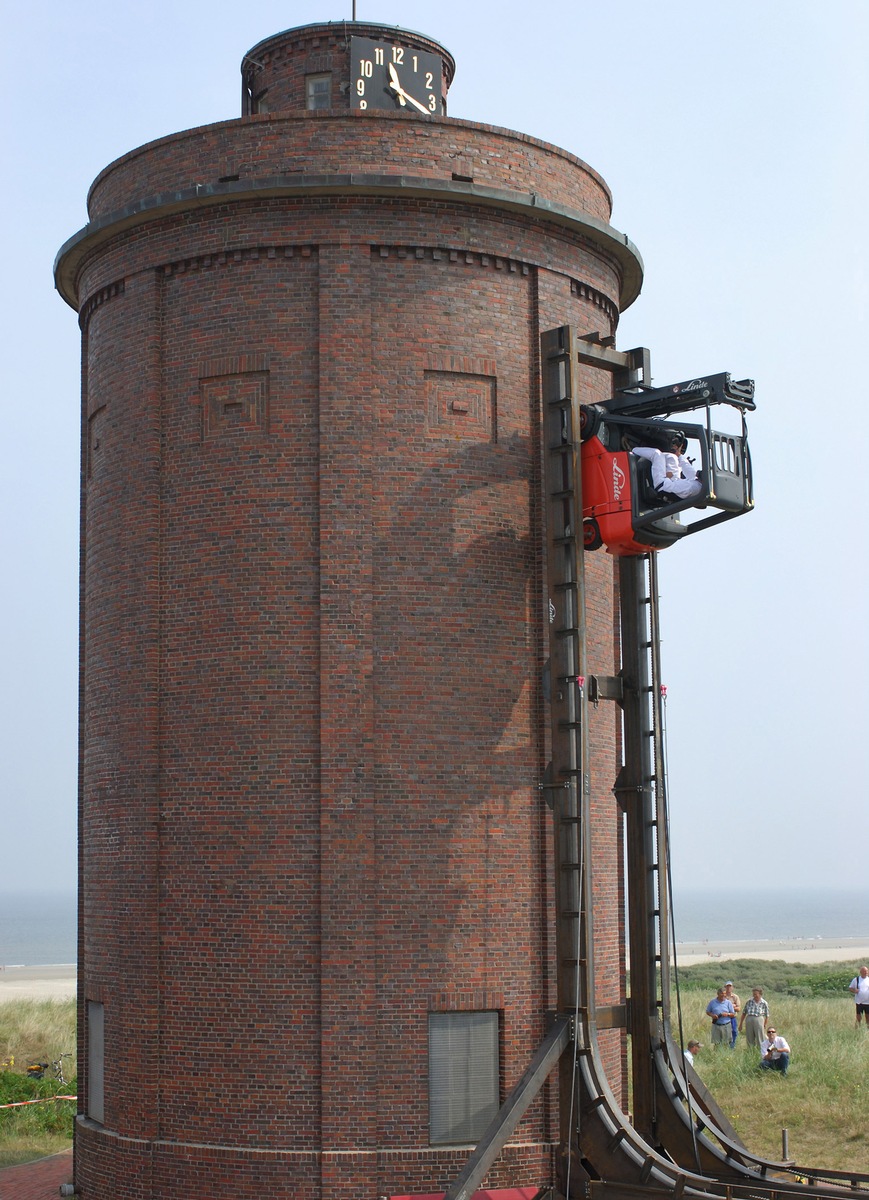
[677, 1143]
[644, 401]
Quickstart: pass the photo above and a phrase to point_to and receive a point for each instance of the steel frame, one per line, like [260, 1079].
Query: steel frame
[679, 1143]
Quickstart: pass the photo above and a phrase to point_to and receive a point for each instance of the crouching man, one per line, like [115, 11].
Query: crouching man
[775, 1053]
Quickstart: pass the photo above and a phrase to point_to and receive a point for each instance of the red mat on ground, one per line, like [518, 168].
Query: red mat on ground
[486, 1194]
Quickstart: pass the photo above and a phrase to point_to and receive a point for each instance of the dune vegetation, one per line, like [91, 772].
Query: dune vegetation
[821, 1102]
[35, 1031]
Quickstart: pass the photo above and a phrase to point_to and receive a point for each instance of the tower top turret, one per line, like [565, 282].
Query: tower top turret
[347, 64]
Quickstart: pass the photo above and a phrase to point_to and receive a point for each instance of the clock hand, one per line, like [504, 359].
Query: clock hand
[404, 96]
[396, 86]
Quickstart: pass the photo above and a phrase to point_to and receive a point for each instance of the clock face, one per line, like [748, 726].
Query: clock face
[389, 75]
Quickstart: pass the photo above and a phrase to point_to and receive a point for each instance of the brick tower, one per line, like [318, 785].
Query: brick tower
[315, 854]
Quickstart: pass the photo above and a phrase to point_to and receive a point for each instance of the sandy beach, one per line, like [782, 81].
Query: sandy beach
[803, 950]
[59, 982]
[38, 983]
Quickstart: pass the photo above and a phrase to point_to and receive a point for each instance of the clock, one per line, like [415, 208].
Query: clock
[391, 76]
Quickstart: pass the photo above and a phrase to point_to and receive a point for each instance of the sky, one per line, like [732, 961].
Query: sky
[735, 139]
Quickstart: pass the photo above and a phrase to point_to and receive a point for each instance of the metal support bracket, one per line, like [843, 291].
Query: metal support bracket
[605, 687]
[632, 367]
[611, 1016]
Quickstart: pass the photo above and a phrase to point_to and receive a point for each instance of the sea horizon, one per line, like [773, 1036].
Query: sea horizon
[768, 914]
[39, 928]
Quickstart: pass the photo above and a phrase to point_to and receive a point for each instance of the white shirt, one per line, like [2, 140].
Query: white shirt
[670, 472]
[860, 987]
[778, 1046]
[690, 1057]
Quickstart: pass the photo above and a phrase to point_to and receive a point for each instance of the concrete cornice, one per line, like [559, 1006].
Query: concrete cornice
[616, 246]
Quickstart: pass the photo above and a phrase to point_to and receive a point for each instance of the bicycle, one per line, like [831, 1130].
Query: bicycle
[37, 1070]
[57, 1068]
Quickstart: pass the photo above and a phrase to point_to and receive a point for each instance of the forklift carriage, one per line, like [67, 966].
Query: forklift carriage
[621, 508]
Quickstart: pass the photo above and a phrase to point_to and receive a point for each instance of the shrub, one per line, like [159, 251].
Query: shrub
[773, 975]
[35, 1031]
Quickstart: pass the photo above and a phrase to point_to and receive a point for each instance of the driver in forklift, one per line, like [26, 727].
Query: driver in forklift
[671, 470]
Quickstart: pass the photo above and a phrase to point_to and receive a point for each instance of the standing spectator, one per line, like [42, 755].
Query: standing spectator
[721, 1011]
[755, 1017]
[859, 985]
[775, 1053]
[737, 1004]
[693, 1049]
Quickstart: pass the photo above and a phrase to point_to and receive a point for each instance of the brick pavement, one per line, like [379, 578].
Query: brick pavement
[38, 1180]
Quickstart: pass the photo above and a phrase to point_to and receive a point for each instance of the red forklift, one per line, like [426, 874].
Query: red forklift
[621, 507]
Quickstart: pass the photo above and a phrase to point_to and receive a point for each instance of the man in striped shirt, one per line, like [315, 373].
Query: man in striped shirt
[755, 1016]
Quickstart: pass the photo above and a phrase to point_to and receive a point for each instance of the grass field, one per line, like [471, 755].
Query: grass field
[35, 1031]
[822, 1102]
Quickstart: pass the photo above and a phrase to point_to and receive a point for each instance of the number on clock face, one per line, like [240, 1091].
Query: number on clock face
[385, 75]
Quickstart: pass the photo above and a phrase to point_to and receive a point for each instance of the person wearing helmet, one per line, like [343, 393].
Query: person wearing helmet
[672, 473]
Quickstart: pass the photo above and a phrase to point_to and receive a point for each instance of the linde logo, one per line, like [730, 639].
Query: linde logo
[618, 481]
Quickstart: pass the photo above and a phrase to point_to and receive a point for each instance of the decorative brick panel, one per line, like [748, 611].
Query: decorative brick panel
[234, 394]
[461, 405]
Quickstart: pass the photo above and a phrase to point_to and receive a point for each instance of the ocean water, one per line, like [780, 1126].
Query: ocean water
[36, 930]
[755, 915]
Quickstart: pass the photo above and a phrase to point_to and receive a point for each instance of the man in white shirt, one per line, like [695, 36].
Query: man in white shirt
[775, 1053]
[693, 1047]
[672, 473]
[859, 986]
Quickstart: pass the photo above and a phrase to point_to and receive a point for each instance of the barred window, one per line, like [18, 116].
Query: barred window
[318, 91]
[463, 1069]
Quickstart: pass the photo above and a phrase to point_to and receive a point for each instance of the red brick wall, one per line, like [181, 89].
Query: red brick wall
[313, 646]
[294, 145]
[119, 886]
